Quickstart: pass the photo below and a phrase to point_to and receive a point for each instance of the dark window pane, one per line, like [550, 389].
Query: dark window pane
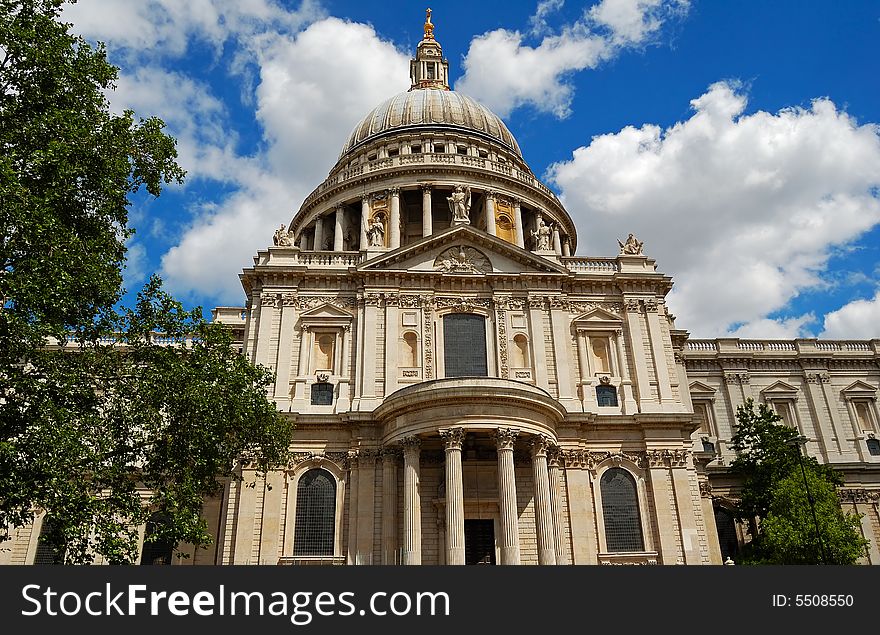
[464, 341]
[155, 552]
[479, 541]
[874, 447]
[46, 552]
[726, 526]
[322, 394]
[606, 395]
[315, 514]
[709, 447]
[620, 507]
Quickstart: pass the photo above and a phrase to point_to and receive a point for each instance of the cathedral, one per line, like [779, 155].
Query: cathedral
[467, 390]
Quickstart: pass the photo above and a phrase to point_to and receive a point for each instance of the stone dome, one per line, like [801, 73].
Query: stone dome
[424, 109]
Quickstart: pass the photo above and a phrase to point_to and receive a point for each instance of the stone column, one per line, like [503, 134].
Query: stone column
[285, 349]
[566, 247]
[302, 368]
[509, 539]
[353, 490]
[637, 335]
[543, 511]
[394, 222]
[427, 219]
[556, 505]
[365, 218]
[319, 234]
[389, 507]
[345, 380]
[557, 245]
[337, 228]
[412, 503]
[490, 213]
[629, 401]
[661, 363]
[517, 219]
[452, 440]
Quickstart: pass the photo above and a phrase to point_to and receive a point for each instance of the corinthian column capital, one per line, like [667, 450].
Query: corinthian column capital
[452, 438]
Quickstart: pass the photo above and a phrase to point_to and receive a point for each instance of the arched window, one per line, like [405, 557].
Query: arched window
[620, 507]
[156, 552]
[464, 345]
[727, 539]
[520, 353]
[409, 350]
[315, 528]
[47, 553]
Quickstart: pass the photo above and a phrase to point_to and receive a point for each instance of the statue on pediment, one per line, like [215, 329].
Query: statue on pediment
[460, 204]
[542, 236]
[631, 247]
[282, 238]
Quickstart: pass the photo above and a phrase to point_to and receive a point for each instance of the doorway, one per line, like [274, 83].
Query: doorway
[479, 541]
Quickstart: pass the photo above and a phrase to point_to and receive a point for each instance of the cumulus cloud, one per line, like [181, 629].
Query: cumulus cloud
[164, 28]
[743, 209]
[504, 72]
[307, 102]
[857, 320]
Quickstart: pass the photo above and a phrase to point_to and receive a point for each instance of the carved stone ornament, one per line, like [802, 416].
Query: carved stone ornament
[705, 489]
[506, 437]
[736, 377]
[322, 377]
[667, 458]
[630, 247]
[282, 237]
[591, 460]
[339, 459]
[411, 445]
[501, 321]
[452, 438]
[462, 259]
[632, 305]
[817, 378]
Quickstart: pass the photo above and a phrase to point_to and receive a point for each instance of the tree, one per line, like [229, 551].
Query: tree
[102, 423]
[774, 500]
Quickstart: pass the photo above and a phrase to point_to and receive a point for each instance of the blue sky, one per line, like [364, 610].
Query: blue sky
[738, 140]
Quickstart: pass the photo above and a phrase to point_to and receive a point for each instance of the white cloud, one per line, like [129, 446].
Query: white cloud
[780, 329]
[544, 9]
[743, 210]
[859, 319]
[633, 21]
[504, 73]
[164, 28]
[308, 100]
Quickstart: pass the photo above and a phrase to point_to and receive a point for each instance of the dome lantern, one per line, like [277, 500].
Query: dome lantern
[428, 69]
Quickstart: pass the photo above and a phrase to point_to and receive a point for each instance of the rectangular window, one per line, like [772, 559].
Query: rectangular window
[322, 394]
[464, 343]
[606, 395]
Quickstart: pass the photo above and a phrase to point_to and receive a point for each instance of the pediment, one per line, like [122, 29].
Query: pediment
[780, 389]
[326, 313]
[698, 388]
[860, 389]
[462, 250]
[597, 316]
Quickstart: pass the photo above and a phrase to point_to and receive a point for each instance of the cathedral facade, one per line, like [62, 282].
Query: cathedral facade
[465, 390]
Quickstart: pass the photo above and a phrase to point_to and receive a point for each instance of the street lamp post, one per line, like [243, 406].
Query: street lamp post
[799, 442]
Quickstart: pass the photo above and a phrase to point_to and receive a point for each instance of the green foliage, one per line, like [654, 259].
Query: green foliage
[773, 474]
[86, 427]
